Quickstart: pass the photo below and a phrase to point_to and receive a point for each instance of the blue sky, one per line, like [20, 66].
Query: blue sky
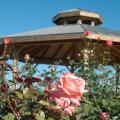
[24, 15]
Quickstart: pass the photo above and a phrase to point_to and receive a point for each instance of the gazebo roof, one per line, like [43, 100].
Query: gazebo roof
[58, 42]
[69, 29]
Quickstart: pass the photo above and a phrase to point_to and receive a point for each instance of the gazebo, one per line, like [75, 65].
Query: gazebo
[58, 42]
[78, 42]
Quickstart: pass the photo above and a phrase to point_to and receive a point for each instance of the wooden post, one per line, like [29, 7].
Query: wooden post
[79, 21]
[85, 51]
[92, 23]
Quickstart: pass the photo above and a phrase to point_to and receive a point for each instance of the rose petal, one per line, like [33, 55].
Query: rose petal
[63, 102]
[75, 101]
[69, 110]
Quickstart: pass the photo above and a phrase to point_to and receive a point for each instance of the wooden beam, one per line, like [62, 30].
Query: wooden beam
[44, 38]
[104, 37]
[61, 38]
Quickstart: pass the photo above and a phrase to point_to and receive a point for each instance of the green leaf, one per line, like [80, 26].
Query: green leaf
[50, 119]
[40, 115]
[27, 93]
[44, 103]
[27, 113]
[19, 95]
[105, 103]
[9, 116]
[66, 118]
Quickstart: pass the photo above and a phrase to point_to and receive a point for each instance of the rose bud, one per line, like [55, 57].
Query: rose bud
[77, 55]
[99, 38]
[6, 40]
[27, 57]
[5, 87]
[47, 90]
[53, 69]
[87, 33]
[104, 115]
[47, 79]
[109, 43]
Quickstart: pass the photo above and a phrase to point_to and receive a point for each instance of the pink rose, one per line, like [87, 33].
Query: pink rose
[75, 101]
[68, 92]
[62, 102]
[71, 86]
[87, 32]
[104, 115]
[109, 43]
[6, 40]
[69, 110]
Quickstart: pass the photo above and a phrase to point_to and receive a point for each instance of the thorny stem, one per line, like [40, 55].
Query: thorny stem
[12, 108]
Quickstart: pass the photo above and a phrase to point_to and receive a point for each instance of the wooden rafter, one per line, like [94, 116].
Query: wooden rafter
[64, 48]
[34, 50]
[57, 51]
[51, 51]
[115, 55]
[44, 52]
[70, 50]
[21, 49]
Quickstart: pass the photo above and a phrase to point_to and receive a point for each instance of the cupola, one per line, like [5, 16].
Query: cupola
[78, 16]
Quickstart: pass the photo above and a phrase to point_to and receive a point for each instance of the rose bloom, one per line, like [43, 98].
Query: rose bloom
[71, 86]
[87, 32]
[69, 110]
[6, 40]
[65, 104]
[69, 91]
[104, 115]
[109, 43]
[62, 102]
